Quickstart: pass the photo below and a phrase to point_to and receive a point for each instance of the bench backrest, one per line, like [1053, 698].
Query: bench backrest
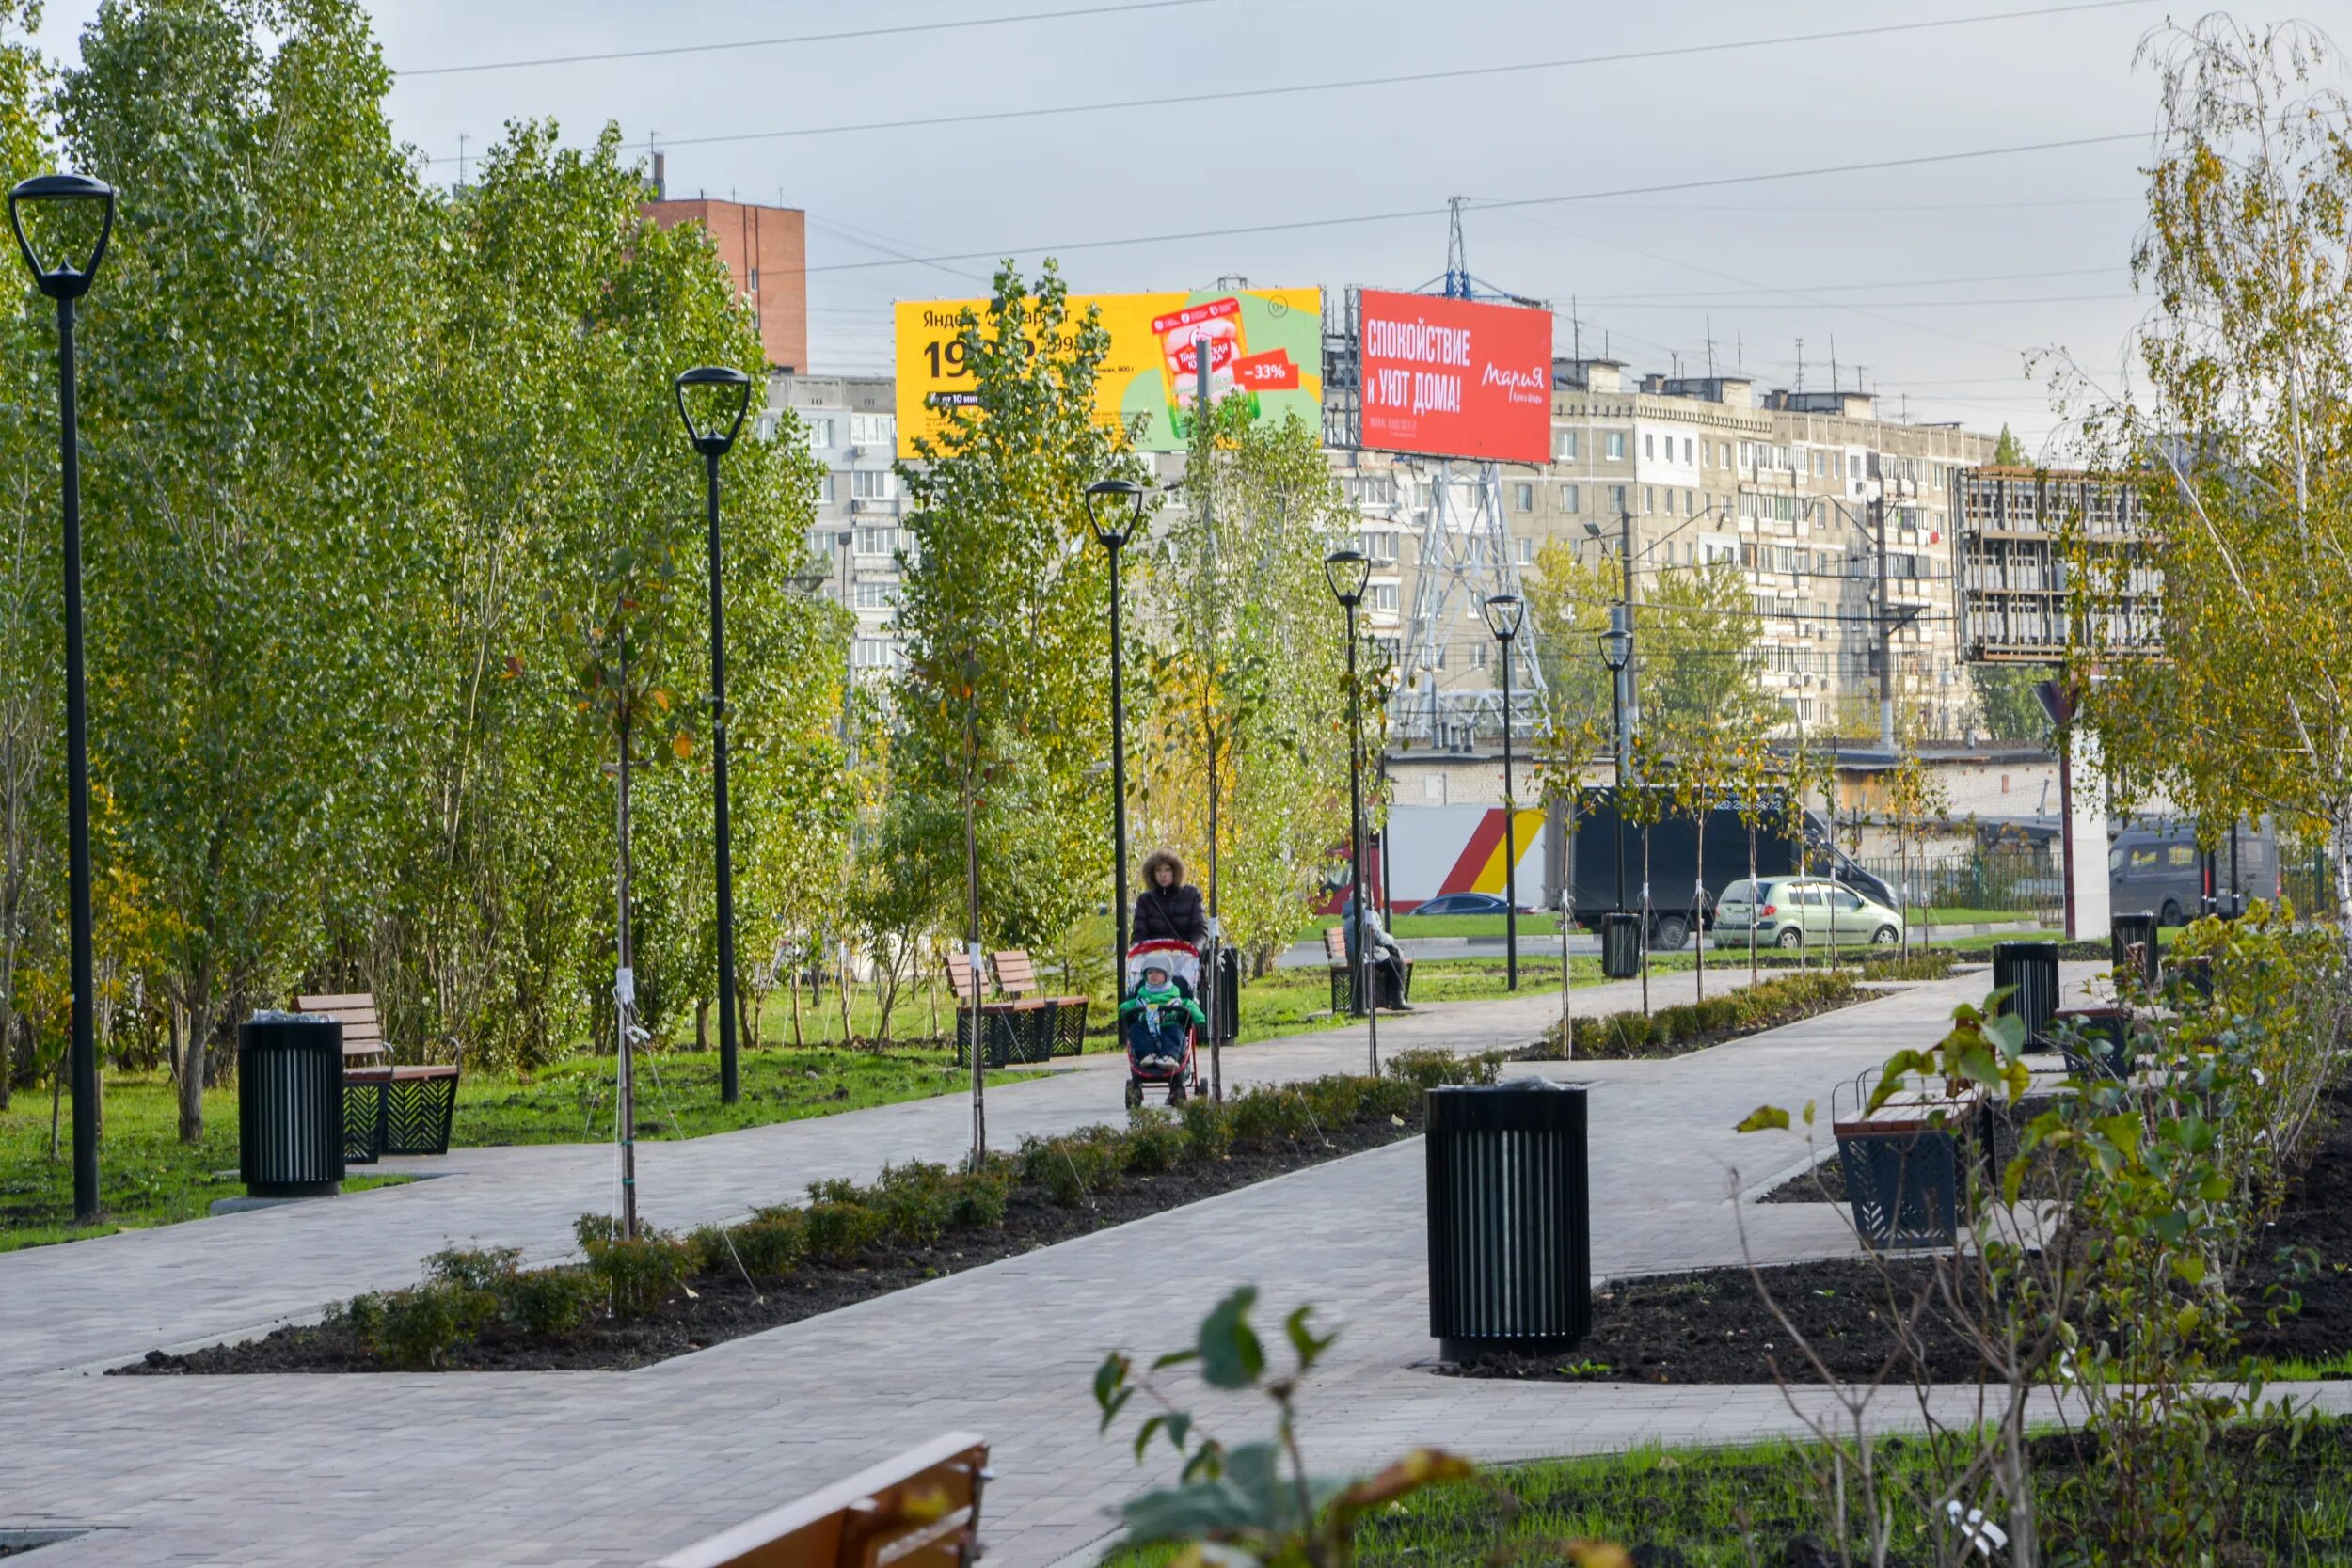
[961, 981]
[1335, 945]
[1016, 977]
[920, 1510]
[363, 1035]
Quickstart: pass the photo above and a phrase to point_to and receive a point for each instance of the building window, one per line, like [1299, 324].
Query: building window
[819, 433]
[1650, 445]
[876, 541]
[1617, 446]
[1650, 499]
[1617, 498]
[870, 430]
[1686, 449]
[877, 596]
[1568, 445]
[1378, 547]
[1526, 551]
[875, 653]
[824, 488]
[1522, 498]
[1384, 596]
[1571, 500]
[1821, 464]
[875, 485]
[1853, 465]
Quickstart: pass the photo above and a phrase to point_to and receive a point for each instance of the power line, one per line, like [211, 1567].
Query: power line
[1842, 288]
[1290, 225]
[802, 38]
[1351, 84]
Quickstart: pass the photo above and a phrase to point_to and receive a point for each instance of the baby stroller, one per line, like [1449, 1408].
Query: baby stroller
[1162, 1055]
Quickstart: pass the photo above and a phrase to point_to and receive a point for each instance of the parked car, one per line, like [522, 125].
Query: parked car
[1464, 903]
[2157, 866]
[1795, 911]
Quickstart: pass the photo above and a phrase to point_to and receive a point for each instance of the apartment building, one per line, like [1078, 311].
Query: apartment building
[851, 426]
[1710, 468]
[766, 251]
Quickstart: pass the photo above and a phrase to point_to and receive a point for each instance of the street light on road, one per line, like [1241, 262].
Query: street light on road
[1116, 508]
[1347, 571]
[1505, 613]
[1616, 651]
[723, 395]
[66, 282]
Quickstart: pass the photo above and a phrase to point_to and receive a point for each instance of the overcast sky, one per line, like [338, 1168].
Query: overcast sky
[1932, 282]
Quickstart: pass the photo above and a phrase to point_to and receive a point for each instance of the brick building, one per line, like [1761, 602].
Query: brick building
[766, 248]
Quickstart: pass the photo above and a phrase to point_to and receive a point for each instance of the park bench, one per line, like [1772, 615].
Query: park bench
[1016, 1032]
[1016, 977]
[387, 1108]
[1343, 976]
[1902, 1163]
[921, 1509]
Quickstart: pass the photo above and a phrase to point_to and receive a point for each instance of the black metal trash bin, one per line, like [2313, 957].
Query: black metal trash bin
[2030, 972]
[290, 1105]
[1224, 996]
[1620, 945]
[2127, 932]
[1510, 1227]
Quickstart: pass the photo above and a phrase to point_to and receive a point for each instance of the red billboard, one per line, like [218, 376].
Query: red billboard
[1455, 378]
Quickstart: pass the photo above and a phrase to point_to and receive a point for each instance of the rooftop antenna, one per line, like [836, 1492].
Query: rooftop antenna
[1710, 347]
[461, 159]
[1739, 354]
[1801, 365]
[1833, 361]
[1458, 278]
[1576, 330]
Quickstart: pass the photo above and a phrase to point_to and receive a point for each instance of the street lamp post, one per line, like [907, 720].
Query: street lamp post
[1616, 651]
[1116, 508]
[1347, 571]
[1504, 613]
[724, 412]
[65, 282]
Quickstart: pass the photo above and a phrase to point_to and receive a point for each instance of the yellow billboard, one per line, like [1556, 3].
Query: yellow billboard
[1266, 344]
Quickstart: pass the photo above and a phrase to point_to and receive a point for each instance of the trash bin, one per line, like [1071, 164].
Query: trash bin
[1510, 1229]
[1620, 945]
[1225, 993]
[290, 1105]
[2028, 971]
[2129, 931]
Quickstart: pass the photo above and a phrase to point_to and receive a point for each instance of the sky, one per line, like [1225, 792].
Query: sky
[1951, 288]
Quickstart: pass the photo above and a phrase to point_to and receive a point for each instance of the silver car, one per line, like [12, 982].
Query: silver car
[1793, 912]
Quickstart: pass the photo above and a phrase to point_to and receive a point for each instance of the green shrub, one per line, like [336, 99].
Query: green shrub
[913, 1201]
[770, 1242]
[1335, 1101]
[835, 1189]
[1208, 1130]
[638, 1275]
[837, 1230]
[1075, 1165]
[548, 1301]
[1271, 1119]
[420, 1326]
[474, 1269]
[1428, 1068]
[1626, 1032]
[1389, 1096]
[976, 1199]
[1155, 1141]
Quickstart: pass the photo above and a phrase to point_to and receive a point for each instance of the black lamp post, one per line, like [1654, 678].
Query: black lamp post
[1504, 613]
[65, 282]
[1347, 571]
[1617, 651]
[1116, 508]
[723, 409]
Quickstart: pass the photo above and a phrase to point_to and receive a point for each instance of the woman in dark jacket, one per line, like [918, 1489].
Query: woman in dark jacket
[1166, 910]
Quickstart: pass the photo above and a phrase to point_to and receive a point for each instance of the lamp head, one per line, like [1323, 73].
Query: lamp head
[1617, 648]
[1347, 571]
[1592, 528]
[1116, 508]
[1504, 611]
[62, 279]
[724, 394]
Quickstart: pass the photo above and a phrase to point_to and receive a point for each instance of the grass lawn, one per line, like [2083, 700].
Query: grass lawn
[1448, 926]
[1920, 916]
[1731, 1508]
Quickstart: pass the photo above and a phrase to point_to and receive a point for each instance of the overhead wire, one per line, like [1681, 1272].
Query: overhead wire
[1227, 95]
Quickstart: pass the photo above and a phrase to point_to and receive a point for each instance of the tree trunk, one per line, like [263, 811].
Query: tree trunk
[192, 1072]
[1699, 904]
[702, 1024]
[792, 983]
[1755, 893]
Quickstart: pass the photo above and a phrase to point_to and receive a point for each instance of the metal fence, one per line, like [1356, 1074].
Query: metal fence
[2018, 884]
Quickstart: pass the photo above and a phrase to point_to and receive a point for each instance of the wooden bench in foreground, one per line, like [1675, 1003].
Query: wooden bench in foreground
[1016, 977]
[1344, 974]
[387, 1109]
[1016, 1031]
[921, 1509]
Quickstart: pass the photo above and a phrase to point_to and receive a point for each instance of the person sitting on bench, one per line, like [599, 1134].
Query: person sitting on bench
[1383, 956]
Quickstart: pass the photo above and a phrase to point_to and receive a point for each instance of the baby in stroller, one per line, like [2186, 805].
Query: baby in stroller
[1158, 1013]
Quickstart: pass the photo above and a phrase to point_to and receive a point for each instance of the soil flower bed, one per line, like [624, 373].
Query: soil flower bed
[1696, 1025]
[635, 1303]
[1712, 1326]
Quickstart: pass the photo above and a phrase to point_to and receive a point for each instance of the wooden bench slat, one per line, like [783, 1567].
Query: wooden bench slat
[918, 1509]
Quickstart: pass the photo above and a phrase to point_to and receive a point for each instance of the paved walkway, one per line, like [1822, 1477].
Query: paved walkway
[602, 1468]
